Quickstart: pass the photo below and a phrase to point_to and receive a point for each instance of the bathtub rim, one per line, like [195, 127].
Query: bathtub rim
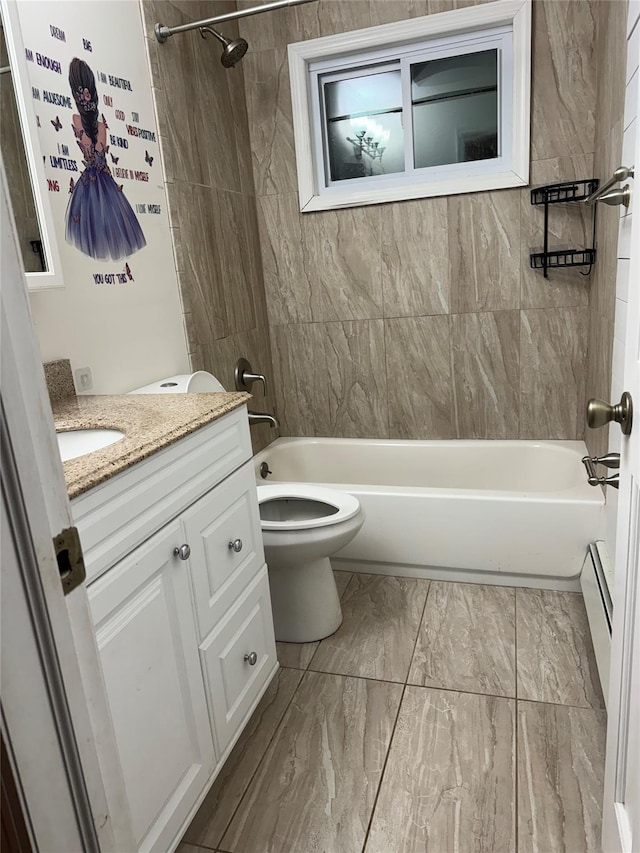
[574, 494]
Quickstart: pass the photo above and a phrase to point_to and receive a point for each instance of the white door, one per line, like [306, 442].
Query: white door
[145, 626]
[47, 712]
[621, 818]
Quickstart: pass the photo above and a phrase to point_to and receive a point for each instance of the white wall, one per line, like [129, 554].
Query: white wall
[127, 333]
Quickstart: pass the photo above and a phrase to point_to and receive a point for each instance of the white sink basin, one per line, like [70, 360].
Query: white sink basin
[78, 442]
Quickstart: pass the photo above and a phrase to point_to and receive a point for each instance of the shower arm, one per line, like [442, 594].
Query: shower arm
[163, 33]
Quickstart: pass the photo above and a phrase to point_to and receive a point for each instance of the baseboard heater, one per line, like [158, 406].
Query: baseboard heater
[596, 581]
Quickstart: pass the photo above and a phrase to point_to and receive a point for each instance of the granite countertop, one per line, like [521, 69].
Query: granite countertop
[150, 422]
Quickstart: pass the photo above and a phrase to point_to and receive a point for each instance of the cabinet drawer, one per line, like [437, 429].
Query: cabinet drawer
[232, 683]
[119, 515]
[226, 516]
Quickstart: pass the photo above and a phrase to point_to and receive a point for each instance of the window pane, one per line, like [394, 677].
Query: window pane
[359, 148]
[361, 95]
[364, 126]
[455, 109]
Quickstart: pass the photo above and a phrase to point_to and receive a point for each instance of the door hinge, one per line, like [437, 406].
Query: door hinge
[70, 559]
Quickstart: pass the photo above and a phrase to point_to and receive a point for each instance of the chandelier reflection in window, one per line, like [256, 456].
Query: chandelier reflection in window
[369, 144]
[364, 124]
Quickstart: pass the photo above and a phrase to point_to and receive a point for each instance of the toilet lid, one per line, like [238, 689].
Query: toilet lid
[300, 506]
[199, 382]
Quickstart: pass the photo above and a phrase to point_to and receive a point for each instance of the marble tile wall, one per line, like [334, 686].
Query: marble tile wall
[422, 319]
[611, 21]
[212, 205]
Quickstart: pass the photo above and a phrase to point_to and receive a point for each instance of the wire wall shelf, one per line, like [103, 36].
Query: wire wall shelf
[567, 258]
[566, 192]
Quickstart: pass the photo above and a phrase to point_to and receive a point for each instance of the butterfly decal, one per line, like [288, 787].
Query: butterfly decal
[104, 121]
[76, 218]
[148, 158]
[77, 132]
[127, 269]
[38, 121]
[120, 187]
[114, 159]
[71, 185]
[57, 123]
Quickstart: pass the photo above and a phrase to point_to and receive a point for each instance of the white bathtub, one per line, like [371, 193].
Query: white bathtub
[510, 512]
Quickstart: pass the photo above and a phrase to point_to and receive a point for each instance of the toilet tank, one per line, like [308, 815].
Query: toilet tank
[199, 382]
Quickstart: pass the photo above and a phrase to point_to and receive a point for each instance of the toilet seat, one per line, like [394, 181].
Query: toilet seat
[346, 506]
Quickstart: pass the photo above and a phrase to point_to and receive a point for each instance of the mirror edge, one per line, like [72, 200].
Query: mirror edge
[51, 278]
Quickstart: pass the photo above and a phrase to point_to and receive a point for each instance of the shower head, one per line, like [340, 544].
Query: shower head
[233, 50]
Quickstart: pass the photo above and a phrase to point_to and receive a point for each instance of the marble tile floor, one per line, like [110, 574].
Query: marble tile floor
[440, 718]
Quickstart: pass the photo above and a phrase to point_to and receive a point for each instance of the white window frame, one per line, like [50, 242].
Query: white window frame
[448, 33]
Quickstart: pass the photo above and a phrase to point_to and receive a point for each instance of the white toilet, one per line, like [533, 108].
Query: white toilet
[302, 526]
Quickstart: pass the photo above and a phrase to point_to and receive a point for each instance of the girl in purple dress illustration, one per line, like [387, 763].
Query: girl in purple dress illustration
[100, 221]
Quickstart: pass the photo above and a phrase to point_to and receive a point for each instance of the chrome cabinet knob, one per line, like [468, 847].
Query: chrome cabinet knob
[183, 552]
[600, 413]
[251, 659]
[236, 545]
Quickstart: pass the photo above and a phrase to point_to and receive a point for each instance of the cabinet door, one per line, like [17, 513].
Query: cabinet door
[239, 658]
[227, 516]
[147, 639]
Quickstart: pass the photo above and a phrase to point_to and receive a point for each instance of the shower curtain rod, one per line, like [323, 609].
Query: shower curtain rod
[163, 33]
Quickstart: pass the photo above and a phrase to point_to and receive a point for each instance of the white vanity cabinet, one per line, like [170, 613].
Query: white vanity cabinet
[145, 630]
[183, 620]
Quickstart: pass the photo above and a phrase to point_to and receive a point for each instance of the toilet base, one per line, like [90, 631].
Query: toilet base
[304, 600]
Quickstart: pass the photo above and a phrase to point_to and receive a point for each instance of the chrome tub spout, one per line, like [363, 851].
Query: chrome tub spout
[262, 418]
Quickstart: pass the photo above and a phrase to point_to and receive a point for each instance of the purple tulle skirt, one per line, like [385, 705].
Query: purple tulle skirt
[100, 221]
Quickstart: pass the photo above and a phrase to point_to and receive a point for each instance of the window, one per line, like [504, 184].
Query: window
[429, 106]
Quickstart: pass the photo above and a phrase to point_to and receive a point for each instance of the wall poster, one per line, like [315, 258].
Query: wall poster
[90, 94]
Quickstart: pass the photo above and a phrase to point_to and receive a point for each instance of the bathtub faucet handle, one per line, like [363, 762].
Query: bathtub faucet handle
[245, 377]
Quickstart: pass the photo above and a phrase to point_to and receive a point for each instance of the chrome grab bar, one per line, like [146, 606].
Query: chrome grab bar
[618, 197]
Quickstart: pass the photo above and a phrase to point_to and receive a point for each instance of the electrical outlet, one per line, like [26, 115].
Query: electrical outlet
[84, 382]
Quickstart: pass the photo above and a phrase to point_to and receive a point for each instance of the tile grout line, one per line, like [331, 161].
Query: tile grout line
[424, 686]
[450, 689]
[384, 767]
[259, 764]
[395, 723]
